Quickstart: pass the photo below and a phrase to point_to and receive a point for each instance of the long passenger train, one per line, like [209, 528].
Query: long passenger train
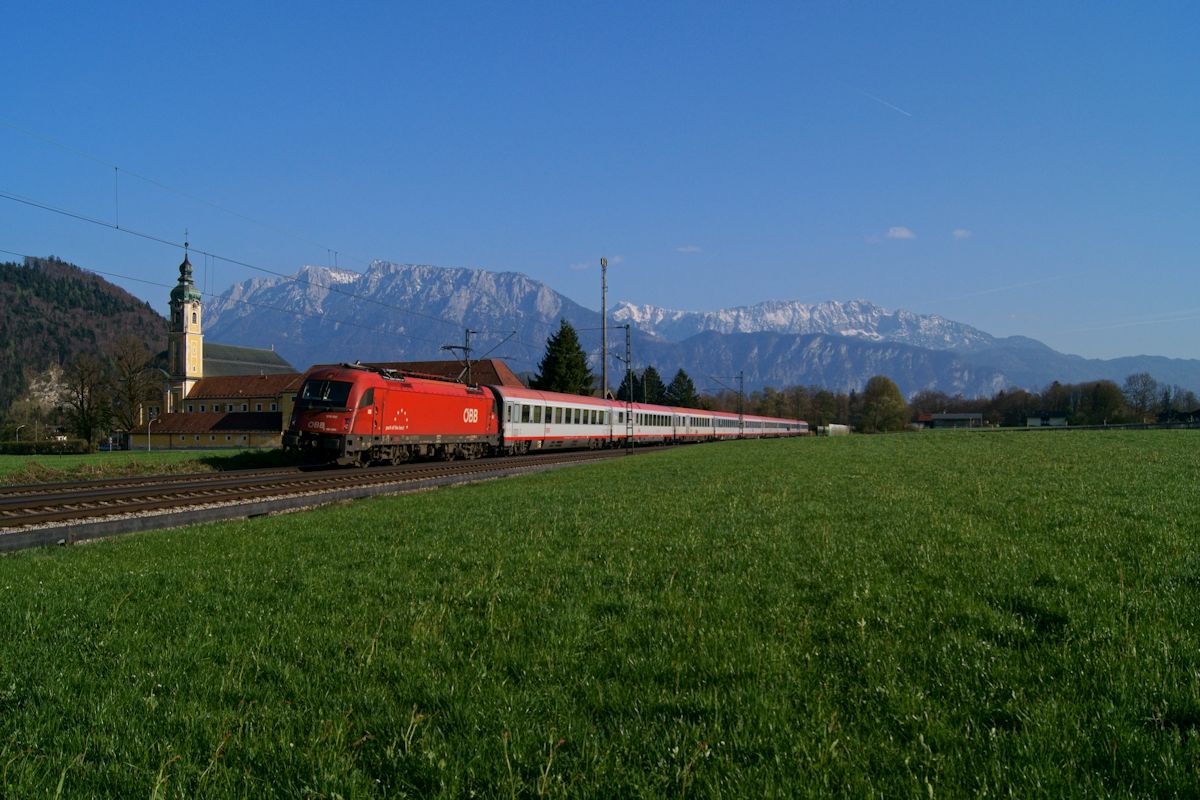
[358, 414]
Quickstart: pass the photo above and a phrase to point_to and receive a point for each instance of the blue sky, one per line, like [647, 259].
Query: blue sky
[1028, 168]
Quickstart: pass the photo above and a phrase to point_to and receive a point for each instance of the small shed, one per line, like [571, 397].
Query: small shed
[1046, 420]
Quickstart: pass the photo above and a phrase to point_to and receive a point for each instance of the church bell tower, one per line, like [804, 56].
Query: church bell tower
[185, 340]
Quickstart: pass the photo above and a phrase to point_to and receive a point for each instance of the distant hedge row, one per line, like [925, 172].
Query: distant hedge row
[53, 448]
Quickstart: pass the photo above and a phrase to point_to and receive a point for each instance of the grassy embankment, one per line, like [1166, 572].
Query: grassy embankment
[948, 614]
[43, 468]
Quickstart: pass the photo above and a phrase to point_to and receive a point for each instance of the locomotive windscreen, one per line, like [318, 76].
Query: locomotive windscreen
[323, 394]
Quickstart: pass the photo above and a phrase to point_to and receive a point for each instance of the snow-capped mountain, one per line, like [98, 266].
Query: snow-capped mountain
[858, 319]
[392, 312]
[398, 312]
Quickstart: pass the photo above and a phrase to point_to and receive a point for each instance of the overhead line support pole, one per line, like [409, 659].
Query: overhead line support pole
[629, 388]
[604, 328]
[742, 404]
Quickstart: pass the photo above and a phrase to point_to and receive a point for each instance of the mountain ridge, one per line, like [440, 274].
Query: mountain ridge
[402, 312]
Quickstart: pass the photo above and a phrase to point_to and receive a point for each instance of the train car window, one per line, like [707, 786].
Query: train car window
[558, 415]
[549, 410]
[323, 394]
[537, 414]
[577, 415]
[367, 399]
[525, 413]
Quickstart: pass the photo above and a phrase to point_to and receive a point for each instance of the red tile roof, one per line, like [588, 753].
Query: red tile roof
[246, 386]
[215, 422]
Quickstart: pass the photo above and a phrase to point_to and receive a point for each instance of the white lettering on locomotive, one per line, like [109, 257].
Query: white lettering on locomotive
[470, 415]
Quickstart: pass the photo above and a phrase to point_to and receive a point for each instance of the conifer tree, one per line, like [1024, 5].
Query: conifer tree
[627, 391]
[652, 389]
[564, 368]
[681, 392]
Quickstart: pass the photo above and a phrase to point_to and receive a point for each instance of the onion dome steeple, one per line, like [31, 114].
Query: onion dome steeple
[185, 290]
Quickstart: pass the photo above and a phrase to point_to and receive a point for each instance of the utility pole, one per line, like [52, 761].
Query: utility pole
[742, 404]
[604, 327]
[629, 386]
[741, 397]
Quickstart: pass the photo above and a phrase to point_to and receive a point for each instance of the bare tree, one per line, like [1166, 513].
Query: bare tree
[87, 399]
[1141, 392]
[133, 384]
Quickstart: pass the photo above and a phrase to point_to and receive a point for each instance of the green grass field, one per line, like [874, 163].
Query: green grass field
[894, 616]
[43, 468]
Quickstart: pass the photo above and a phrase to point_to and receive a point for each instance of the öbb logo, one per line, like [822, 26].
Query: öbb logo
[470, 415]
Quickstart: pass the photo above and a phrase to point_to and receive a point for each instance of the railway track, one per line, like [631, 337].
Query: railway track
[37, 514]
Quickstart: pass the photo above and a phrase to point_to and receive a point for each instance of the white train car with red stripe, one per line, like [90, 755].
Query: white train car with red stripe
[535, 420]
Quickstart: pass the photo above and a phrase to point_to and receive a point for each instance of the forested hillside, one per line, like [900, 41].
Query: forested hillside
[51, 310]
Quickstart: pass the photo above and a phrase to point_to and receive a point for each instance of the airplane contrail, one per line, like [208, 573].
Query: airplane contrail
[1011, 286]
[1185, 315]
[883, 102]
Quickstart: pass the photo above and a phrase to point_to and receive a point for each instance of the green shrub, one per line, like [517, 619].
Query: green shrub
[46, 447]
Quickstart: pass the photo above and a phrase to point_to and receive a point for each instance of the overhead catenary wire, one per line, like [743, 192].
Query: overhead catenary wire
[115, 225]
[167, 187]
[332, 287]
[265, 307]
[209, 255]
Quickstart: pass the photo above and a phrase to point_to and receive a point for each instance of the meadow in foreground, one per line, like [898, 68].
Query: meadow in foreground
[45, 468]
[953, 614]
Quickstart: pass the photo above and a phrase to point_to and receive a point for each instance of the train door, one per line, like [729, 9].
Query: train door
[366, 407]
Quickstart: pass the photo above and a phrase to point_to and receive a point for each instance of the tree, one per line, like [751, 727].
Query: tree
[681, 392]
[630, 389]
[1101, 402]
[883, 407]
[931, 401]
[134, 383]
[1012, 408]
[1140, 391]
[652, 387]
[87, 399]
[564, 368]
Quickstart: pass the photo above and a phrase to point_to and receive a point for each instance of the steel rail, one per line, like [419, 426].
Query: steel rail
[92, 500]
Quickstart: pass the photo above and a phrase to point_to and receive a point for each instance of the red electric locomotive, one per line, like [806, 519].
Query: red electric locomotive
[355, 414]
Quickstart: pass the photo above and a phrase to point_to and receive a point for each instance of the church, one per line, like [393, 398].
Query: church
[216, 395]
